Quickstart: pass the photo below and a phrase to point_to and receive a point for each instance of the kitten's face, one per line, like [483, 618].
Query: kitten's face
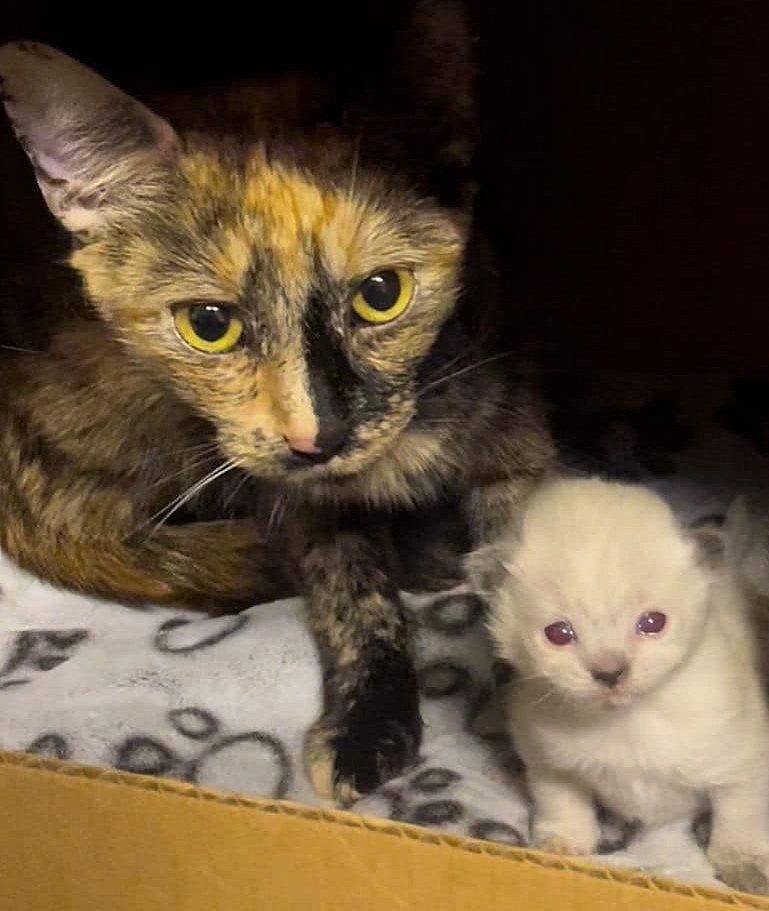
[327, 297]
[604, 597]
[289, 303]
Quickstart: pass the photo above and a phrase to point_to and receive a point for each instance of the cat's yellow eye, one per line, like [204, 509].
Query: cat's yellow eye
[211, 328]
[383, 296]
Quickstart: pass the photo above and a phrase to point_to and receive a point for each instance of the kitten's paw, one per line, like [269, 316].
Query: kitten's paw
[380, 734]
[744, 872]
[558, 844]
[570, 837]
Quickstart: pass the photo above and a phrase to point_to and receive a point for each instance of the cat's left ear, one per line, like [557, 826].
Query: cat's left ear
[92, 146]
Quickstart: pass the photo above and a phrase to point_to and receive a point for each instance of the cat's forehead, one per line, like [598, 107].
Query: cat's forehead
[300, 220]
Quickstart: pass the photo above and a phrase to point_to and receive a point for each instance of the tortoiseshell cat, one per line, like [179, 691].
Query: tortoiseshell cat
[271, 341]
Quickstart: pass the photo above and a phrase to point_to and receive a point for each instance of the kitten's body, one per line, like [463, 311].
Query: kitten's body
[685, 727]
[138, 466]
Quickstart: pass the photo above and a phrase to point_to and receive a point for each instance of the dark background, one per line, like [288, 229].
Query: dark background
[624, 174]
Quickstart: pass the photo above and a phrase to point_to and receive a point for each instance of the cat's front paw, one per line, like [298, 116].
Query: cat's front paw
[346, 757]
[744, 872]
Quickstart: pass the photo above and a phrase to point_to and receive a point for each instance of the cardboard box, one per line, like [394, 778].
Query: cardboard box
[75, 838]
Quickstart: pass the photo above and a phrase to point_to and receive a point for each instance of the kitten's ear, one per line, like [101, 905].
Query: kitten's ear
[747, 543]
[709, 539]
[487, 567]
[91, 145]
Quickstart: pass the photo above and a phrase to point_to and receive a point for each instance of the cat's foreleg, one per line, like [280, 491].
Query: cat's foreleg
[99, 547]
[370, 728]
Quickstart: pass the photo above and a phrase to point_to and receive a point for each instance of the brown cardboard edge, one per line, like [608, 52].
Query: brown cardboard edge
[332, 817]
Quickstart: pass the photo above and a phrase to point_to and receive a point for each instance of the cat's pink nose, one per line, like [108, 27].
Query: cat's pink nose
[303, 445]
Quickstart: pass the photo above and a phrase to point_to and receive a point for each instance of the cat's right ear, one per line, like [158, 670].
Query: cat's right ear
[92, 146]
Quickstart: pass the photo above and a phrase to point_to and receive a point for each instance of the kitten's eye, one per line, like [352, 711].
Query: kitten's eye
[560, 633]
[383, 296]
[650, 623]
[211, 328]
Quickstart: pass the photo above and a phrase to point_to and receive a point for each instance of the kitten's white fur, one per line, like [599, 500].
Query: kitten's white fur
[687, 725]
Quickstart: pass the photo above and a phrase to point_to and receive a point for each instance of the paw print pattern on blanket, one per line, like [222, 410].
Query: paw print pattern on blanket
[225, 702]
[257, 760]
[441, 798]
[51, 746]
[33, 651]
[178, 636]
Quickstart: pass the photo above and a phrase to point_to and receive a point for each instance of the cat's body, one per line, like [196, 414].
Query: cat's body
[270, 370]
[638, 678]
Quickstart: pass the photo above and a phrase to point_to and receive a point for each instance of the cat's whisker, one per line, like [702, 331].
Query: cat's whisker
[228, 501]
[437, 422]
[21, 350]
[441, 370]
[192, 491]
[156, 457]
[464, 370]
[192, 466]
[277, 512]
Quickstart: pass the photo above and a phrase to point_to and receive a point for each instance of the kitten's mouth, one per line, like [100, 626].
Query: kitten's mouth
[611, 699]
[600, 700]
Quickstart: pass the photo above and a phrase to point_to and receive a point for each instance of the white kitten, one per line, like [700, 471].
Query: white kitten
[637, 677]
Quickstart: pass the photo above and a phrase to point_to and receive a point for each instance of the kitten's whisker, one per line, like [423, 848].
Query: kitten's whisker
[546, 695]
[529, 679]
[463, 370]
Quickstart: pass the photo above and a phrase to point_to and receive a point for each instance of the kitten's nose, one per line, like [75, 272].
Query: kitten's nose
[609, 671]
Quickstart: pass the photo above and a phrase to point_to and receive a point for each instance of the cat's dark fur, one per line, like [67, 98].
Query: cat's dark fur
[115, 418]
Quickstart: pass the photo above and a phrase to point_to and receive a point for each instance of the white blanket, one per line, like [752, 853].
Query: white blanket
[225, 701]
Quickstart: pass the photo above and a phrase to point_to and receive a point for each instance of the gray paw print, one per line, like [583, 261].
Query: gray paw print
[38, 650]
[430, 797]
[253, 761]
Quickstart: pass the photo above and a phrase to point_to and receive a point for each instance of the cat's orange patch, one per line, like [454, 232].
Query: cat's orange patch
[281, 405]
[232, 260]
